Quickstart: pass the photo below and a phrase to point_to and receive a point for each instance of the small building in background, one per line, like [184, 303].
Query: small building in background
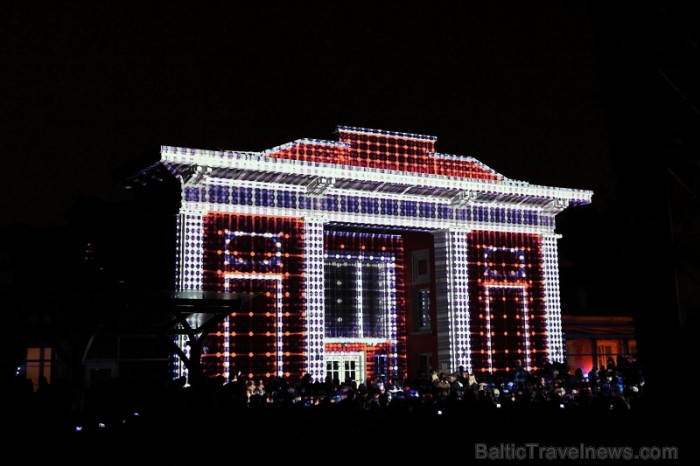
[592, 340]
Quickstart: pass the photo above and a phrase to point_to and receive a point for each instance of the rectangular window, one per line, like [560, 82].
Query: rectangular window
[333, 370]
[350, 370]
[39, 364]
[420, 266]
[608, 349]
[381, 365]
[579, 354]
[423, 309]
[357, 300]
[341, 300]
[345, 367]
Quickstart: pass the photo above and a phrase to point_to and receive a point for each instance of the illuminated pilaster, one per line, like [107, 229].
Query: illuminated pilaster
[189, 243]
[314, 296]
[452, 299]
[552, 302]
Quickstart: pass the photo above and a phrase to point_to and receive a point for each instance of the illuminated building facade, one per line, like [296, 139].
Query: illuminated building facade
[373, 255]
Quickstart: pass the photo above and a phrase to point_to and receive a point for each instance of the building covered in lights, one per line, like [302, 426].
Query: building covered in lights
[369, 256]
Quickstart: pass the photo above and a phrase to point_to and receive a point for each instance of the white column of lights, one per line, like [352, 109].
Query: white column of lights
[179, 256]
[390, 312]
[443, 297]
[189, 237]
[453, 247]
[178, 368]
[489, 346]
[461, 295]
[552, 301]
[314, 292]
[358, 297]
[190, 251]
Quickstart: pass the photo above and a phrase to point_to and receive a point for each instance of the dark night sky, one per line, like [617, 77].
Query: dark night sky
[89, 93]
[555, 93]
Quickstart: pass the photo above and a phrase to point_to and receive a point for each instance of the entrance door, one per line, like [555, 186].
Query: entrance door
[346, 367]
